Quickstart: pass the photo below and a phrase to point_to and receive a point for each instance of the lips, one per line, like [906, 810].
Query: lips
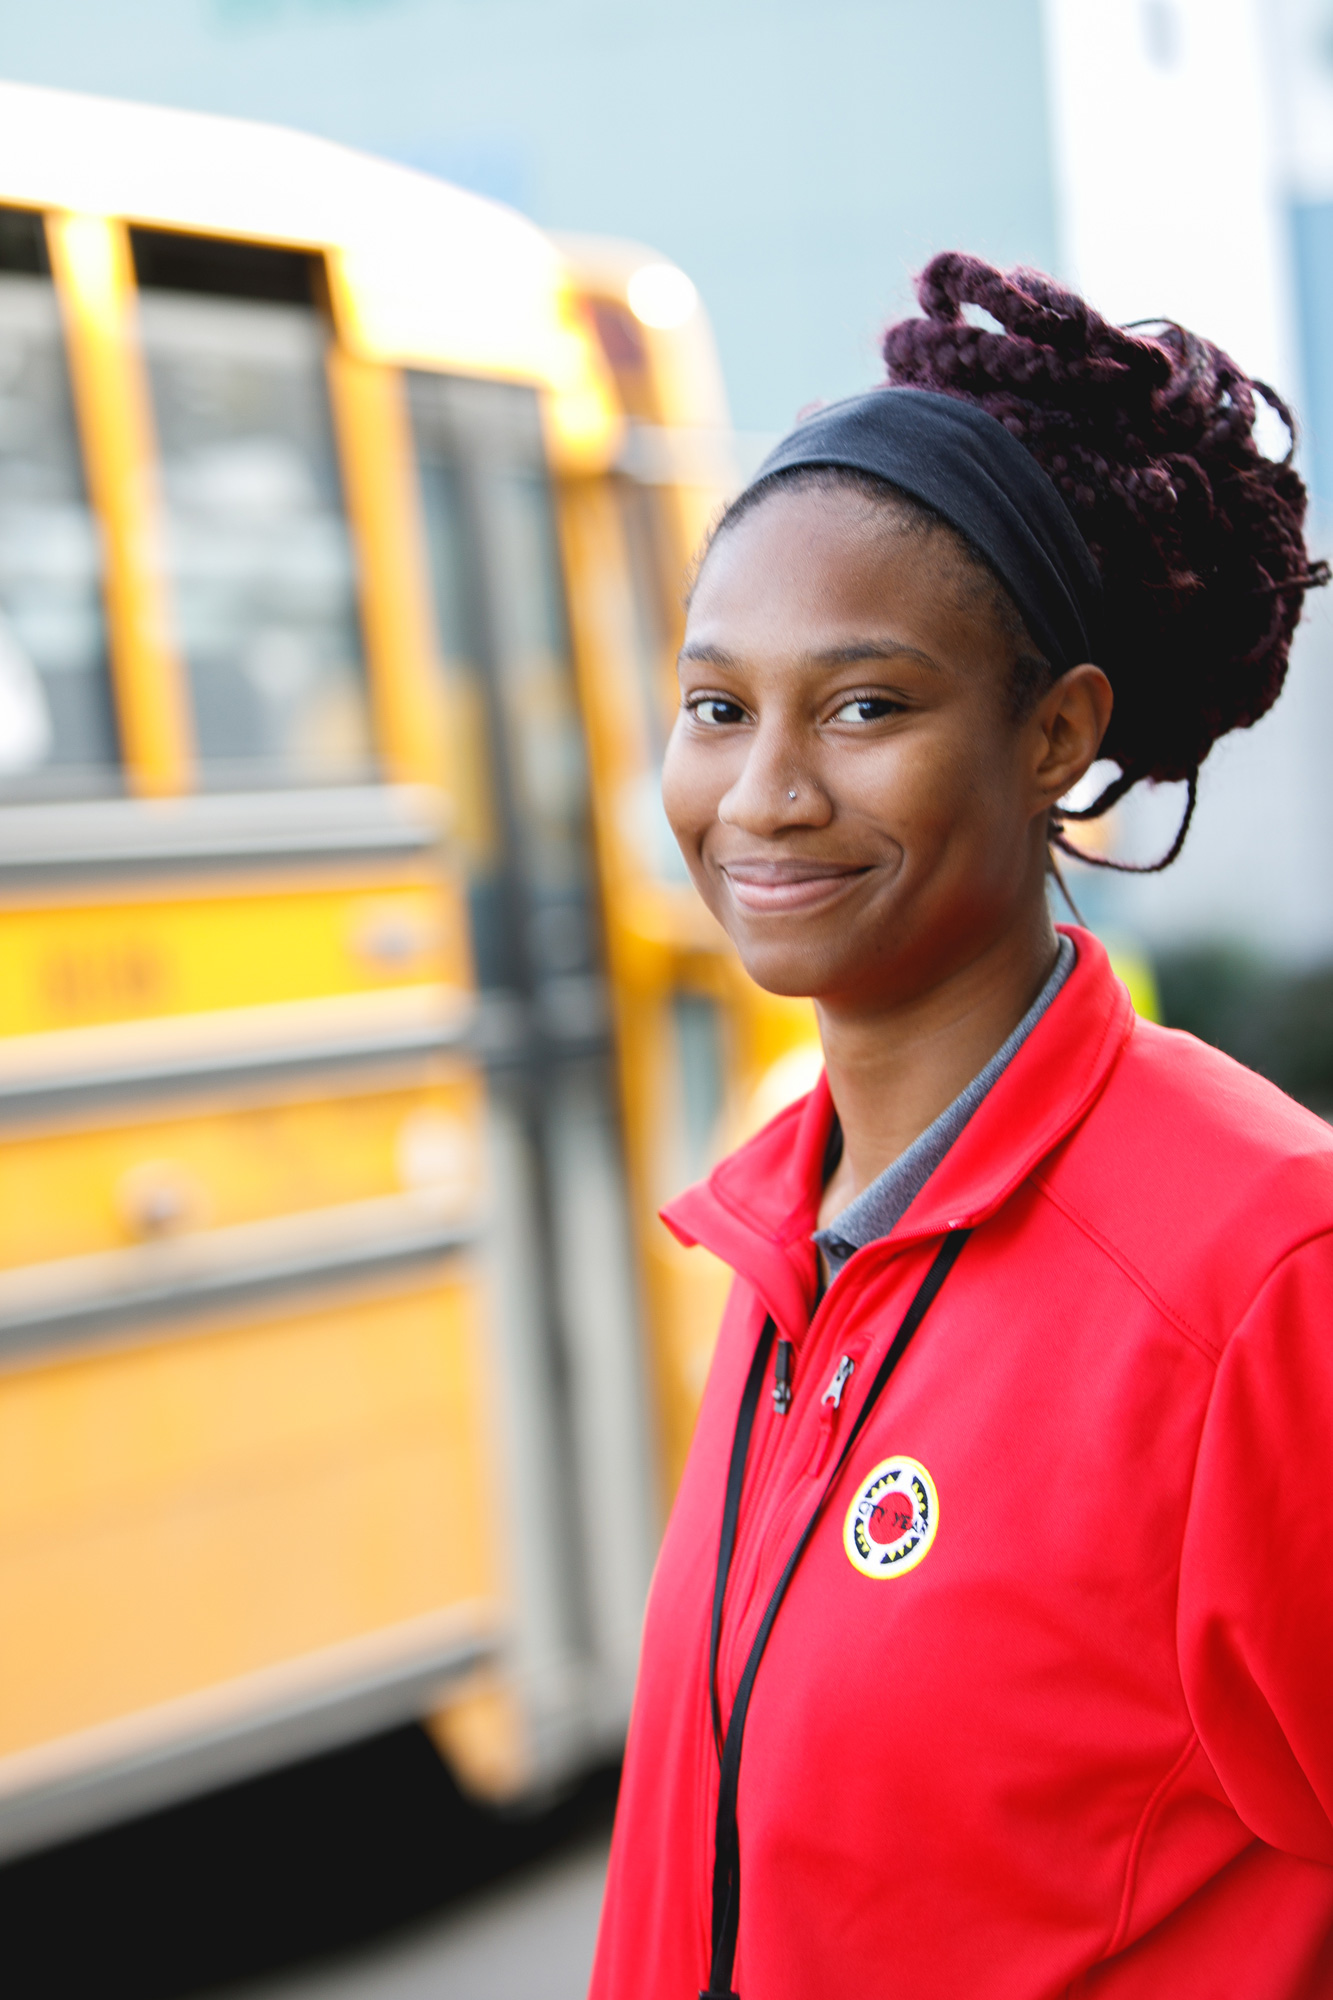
[764, 886]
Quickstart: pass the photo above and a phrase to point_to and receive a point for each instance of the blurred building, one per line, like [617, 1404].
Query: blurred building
[1193, 167]
[1173, 157]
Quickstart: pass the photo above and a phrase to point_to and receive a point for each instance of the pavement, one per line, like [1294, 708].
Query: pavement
[530, 1937]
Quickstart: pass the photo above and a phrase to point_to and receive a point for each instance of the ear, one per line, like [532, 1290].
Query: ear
[1066, 730]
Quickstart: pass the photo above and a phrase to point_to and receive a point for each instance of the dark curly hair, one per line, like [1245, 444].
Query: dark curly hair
[1148, 432]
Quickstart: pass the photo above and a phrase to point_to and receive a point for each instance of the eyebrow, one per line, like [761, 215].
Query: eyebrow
[702, 654]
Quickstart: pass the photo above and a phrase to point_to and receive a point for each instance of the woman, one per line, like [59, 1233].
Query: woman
[991, 1643]
[1005, 1547]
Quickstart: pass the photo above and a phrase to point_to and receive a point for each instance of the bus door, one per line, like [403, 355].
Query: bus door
[246, 1484]
[580, 1509]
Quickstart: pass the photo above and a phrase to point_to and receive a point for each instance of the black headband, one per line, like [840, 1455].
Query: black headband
[964, 465]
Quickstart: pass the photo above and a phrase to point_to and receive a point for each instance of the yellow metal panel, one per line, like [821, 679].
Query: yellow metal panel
[580, 416]
[188, 1512]
[430, 725]
[189, 948]
[374, 443]
[67, 1193]
[90, 257]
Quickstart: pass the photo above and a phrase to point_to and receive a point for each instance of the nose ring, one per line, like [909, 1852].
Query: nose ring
[791, 795]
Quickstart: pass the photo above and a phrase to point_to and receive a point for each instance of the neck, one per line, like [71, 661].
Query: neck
[893, 1068]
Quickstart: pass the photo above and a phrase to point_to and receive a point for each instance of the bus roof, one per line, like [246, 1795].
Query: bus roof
[420, 271]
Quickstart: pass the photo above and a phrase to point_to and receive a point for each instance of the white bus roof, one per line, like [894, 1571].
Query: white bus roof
[421, 271]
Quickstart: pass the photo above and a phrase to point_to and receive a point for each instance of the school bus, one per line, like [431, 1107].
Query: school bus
[355, 1014]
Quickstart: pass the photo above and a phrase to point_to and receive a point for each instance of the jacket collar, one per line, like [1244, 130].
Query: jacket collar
[758, 1207]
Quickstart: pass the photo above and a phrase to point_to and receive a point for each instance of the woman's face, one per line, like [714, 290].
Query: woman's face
[853, 795]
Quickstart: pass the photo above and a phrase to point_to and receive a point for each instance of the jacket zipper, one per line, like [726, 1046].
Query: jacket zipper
[793, 1480]
[841, 1376]
[782, 1372]
[829, 1413]
[782, 1479]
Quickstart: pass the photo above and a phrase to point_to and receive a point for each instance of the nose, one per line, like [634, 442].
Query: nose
[775, 788]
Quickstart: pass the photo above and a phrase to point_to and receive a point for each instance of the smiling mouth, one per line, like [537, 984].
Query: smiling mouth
[775, 886]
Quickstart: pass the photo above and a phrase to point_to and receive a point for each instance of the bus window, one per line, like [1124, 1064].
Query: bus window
[501, 620]
[57, 726]
[259, 553]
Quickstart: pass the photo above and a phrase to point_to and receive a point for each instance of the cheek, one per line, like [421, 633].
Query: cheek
[943, 786]
[692, 784]
[983, 830]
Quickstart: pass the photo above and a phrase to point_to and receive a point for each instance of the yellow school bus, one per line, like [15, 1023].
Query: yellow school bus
[355, 1016]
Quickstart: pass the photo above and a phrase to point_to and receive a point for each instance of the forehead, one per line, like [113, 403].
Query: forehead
[810, 569]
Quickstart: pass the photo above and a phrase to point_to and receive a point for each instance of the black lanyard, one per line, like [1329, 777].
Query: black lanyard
[726, 1846]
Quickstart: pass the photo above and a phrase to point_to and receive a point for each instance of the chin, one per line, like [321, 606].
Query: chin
[790, 975]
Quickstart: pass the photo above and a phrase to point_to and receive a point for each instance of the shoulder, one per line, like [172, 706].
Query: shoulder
[1196, 1175]
[1209, 1098]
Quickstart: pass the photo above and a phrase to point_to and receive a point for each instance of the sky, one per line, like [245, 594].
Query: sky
[800, 163]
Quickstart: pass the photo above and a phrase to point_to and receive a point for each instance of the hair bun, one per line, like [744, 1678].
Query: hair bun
[1149, 435]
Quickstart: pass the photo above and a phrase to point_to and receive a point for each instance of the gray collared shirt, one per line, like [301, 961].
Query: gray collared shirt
[877, 1208]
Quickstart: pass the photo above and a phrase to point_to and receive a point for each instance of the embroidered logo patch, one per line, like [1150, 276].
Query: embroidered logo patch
[892, 1521]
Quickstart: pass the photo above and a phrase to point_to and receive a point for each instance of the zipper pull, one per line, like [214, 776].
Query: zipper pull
[842, 1374]
[782, 1378]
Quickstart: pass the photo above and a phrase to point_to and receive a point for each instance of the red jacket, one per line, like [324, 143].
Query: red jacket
[1084, 1743]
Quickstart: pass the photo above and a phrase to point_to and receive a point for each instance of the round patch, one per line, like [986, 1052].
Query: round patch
[891, 1522]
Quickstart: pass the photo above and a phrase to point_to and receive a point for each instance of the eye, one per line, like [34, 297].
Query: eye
[867, 708]
[715, 709]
